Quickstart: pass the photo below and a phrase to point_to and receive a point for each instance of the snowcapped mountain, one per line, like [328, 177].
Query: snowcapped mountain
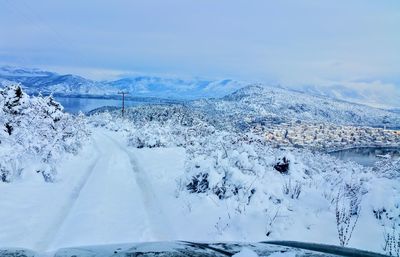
[36, 81]
[375, 93]
[229, 99]
[271, 105]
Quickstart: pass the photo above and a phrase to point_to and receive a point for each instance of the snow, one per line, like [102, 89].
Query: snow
[260, 104]
[129, 182]
[245, 252]
[32, 209]
[286, 254]
[112, 194]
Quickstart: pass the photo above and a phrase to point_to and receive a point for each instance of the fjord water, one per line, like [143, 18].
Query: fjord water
[366, 156]
[77, 104]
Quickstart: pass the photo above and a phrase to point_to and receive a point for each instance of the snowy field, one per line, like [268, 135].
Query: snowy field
[162, 174]
[112, 194]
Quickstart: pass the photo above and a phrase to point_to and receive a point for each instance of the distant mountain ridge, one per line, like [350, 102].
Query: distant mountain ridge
[35, 81]
[375, 96]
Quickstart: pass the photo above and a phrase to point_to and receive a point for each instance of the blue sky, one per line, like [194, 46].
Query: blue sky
[287, 42]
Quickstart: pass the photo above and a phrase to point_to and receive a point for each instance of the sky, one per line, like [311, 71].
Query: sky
[285, 42]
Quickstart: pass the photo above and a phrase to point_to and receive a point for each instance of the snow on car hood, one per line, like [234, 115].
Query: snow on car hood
[182, 248]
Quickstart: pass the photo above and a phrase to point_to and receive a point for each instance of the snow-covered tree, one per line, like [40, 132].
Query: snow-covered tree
[35, 129]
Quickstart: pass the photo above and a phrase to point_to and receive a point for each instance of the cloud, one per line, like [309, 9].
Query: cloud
[373, 93]
[287, 42]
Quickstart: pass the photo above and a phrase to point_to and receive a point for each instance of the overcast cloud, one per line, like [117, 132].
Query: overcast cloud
[285, 42]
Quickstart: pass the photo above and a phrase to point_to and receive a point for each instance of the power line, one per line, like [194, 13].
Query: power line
[123, 101]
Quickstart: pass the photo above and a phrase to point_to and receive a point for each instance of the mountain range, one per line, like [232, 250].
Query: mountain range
[35, 81]
[270, 105]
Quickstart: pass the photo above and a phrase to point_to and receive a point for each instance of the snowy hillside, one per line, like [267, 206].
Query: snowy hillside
[372, 93]
[35, 81]
[269, 106]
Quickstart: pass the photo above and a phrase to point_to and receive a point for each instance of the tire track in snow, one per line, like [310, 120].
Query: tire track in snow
[109, 208]
[160, 225]
[65, 210]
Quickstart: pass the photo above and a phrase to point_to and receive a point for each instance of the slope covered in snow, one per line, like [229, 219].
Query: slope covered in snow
[114, 193]
[372, 93]
[269, 106]
[178, 172]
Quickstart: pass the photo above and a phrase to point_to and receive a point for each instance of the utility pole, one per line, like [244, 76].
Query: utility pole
[123, 101]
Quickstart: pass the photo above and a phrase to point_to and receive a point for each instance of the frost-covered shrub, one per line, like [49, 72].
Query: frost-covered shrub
[224, 189]
[347, 211]
[157, 125]
[271, 216]
[239, 164]
[388, 168]
[232, 162]
[380, 213]
[292, 190]
[391, 244]
[149, 136]
[389, 218]
[4, 174]
[35, 129]
[198, 184]
[388, 214]
[48, 173]
[352, 191]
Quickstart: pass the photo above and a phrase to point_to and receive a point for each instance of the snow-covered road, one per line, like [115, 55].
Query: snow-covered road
[121, 201]
[106, 198]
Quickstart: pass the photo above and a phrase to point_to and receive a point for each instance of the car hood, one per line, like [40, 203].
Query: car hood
[194, 249]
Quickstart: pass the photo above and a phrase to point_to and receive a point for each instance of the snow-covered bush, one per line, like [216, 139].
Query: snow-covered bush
[156, 125]
[198, 184]
[388, 168]
[271, 214]
[347, 211]
[232, 163]
[392, 242]
[292, 190]
[35, 130]
[389, 218]
[150, 136]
